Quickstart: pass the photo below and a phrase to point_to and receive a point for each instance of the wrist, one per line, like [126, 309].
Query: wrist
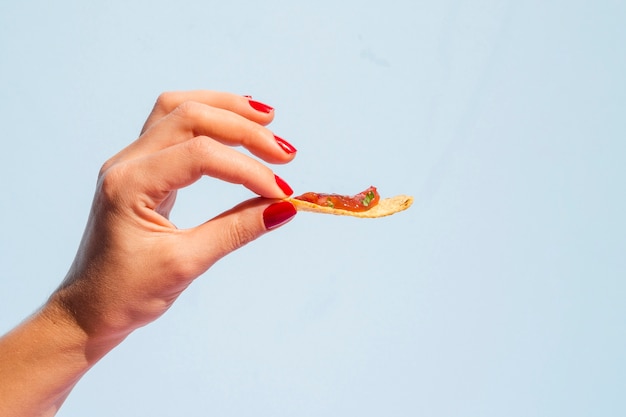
[43, 358]
[79, 319]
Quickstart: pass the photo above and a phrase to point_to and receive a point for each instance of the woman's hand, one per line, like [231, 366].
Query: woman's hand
[133, 262]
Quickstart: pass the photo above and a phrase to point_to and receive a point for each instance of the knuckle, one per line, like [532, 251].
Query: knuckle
[113, 182]
[187, 110]
[201, 146]
[239, 234]
[181, 266]
[167, 101]
[249, 134]
[105, 167]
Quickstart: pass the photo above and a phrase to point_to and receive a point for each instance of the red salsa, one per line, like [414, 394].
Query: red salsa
[363, 201]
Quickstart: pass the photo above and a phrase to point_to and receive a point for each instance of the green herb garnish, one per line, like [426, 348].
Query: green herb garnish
[330, 203]
[368, 198]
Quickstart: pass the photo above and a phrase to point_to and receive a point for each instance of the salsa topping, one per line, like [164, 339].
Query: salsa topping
[362, 201]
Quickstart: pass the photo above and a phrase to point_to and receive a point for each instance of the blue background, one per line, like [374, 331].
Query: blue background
[499, 293]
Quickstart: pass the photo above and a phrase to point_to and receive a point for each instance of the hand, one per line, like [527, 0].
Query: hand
[133, 262]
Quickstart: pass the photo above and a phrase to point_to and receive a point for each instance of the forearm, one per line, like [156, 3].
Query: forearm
[42, 359]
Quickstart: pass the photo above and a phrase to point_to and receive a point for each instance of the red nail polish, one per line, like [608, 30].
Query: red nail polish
[283, 185]
[264, 108]
[278, 214]
[287, 147]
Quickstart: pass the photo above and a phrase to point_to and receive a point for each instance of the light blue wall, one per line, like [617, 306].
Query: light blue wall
[499, 293]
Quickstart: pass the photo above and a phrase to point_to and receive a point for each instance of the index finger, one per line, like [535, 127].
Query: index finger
[178, 166]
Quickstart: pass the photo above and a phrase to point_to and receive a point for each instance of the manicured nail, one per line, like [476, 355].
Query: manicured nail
[287, 147]
[283, 185]
[278, 214]
[260, 106]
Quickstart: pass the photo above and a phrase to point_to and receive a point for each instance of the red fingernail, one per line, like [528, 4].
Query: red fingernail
[278, 214]
[283, 185]
[260, 106]
[287, 147]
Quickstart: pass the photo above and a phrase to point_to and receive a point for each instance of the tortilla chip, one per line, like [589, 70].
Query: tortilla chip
[385, 207]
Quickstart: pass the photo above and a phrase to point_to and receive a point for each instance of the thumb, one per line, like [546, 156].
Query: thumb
[238, 226]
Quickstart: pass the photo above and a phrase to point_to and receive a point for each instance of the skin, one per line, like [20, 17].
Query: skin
[132, 262]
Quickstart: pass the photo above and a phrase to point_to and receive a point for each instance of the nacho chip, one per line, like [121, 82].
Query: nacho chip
[385, 207]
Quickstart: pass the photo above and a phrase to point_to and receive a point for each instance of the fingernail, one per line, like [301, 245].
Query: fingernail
[287, 147]
[283, 185]
[278, 214]
[260, 106]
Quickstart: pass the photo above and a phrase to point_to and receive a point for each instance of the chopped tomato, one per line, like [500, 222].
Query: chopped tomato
[362, 201]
